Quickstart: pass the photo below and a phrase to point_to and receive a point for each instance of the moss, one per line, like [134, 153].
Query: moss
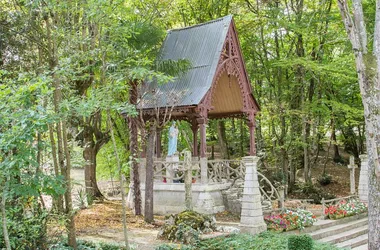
[186, 226]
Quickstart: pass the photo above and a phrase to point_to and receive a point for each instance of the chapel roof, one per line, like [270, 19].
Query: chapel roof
[201, 45]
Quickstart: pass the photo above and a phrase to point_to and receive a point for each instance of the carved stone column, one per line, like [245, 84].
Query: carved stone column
[251, 219]
[252, 143]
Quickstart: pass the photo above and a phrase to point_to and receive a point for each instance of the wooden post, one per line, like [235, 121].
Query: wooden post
[194, 128]
[202, 127]
[252, 145]
[352, 167]
[203, 159]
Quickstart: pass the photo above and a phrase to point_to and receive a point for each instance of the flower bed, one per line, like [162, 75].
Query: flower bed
[344, 209]
[290, 220]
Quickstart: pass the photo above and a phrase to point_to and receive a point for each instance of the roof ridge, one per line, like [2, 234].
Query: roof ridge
[201, 24]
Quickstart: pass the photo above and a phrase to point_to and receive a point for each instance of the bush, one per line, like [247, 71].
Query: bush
[300, 242]
[325, 179]
[310, 191]
[87, 245]
[186, 227]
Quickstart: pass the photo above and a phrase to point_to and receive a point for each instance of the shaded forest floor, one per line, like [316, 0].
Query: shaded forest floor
[102, 221]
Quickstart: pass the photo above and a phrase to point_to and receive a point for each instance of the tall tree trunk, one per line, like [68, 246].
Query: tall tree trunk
[148, 211]
[337, 157]
[221, 128]
[68, 196]
[368, 70]
[133, 148]
[122, 181]
[57, 202]
[4, 219]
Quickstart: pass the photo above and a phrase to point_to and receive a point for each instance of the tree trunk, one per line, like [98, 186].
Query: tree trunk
[68, 196]
[133, 148]
[91, 149]
[4, 220]
[368, 70]
[337, 157]
[222, 140]
[122, 181]
[57, 202]
[148, 211]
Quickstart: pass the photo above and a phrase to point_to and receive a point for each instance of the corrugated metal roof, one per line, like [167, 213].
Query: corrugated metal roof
[201, 45]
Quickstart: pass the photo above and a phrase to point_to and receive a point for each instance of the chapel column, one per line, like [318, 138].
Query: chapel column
[194, 128]
[203, 158]
[252, 144]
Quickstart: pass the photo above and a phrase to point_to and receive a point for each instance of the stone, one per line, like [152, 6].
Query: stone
[252, 219]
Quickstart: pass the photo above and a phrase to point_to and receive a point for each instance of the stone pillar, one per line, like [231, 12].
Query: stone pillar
[252, 145]
[194, 128]
[251, 219]
[352, 167]
[158, 143]
[363, 179]
[142, 170]
[204, 175]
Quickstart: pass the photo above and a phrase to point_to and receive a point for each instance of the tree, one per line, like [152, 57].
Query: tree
[367, 62]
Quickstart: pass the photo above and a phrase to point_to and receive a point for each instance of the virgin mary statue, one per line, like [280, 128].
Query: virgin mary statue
[173, 135]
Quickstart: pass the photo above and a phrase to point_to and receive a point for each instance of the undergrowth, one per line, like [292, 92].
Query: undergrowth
[263, 241]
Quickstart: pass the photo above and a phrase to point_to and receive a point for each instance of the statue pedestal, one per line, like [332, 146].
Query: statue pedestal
[172, 168]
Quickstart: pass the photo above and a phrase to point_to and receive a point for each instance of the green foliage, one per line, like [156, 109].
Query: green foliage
[300, 242]
[265, 240]
[310, 191]
[186, 227]
[86, 245]
[325, 179]
[26, 227]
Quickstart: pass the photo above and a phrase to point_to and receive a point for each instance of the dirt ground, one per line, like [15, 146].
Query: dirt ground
[102, 221]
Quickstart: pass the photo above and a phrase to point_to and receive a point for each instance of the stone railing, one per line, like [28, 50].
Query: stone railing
[218, 171]
[225, 170]
[232, 170]
[173, 171]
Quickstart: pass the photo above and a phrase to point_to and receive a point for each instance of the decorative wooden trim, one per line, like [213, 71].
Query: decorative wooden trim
[231, 62]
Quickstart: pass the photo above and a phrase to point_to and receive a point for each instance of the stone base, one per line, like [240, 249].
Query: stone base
[253, 229]
[170, 197]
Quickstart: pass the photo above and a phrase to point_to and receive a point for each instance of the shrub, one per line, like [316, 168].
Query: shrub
[325, 179]
[310, 191]
[300, 242]
[186, 226]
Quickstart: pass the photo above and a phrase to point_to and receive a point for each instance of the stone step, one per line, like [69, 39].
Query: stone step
[321, 224]
[345, 236]
[354, 242]
[362, 247]
[336, 229]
